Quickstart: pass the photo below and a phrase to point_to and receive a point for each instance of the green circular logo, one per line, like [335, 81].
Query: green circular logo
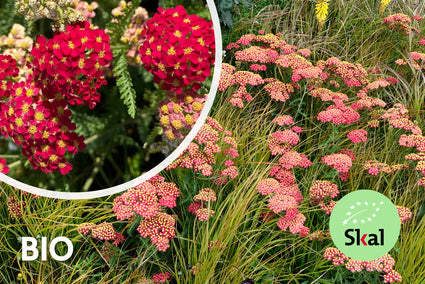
[364, 225]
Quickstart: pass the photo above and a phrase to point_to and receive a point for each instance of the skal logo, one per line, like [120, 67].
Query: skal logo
[364, 225]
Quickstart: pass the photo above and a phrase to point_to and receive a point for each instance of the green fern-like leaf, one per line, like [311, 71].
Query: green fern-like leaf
[120, 70]
[124, 82]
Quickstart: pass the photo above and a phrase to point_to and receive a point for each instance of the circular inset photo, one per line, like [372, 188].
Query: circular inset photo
[97, 98]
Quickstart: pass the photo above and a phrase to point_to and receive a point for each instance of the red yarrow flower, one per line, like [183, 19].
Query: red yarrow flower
[178, 50]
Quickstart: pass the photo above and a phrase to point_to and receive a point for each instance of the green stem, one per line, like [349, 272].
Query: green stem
[9, 156]
[14, 164]
[90, 180]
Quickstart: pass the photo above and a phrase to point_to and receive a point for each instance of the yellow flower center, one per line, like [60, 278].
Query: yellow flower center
[177, 124]
[19, 121]
[165, 120]
[171, 51]
[39, 116]
[197, 106]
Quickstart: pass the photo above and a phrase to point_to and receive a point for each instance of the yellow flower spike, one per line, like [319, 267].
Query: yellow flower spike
[384, 4]
[322, 7]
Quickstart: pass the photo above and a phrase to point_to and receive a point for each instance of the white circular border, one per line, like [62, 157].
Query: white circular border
[168, 160]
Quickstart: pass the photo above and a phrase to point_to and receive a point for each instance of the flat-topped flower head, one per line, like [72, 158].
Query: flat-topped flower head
[160, 229]
[227, 77]
[104, 231]
[357, 136]
[85, 228]
[161, 277]
[278, 90]
[204, 214]
[71, 64]
[283, 120]
[398, 22]
[268, 186]
[133, 34]
[146, 199]
[295, 225]
[404, 213]
[281, 202]
[339, 114]
[341, 162]
[16, 207]
[205, 195]
[321, 189]
[178, 50]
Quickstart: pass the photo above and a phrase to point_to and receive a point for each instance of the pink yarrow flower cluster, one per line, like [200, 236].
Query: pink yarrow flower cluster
[322, 192]
[384, 264]
[16, 207]
[86, 9]
[322, 189]
[202, 203]
[104, 231]
[146, 200]
[374, 167]
[161, 277]
[282, 192]
[399, 23]
[341, 162]
[18, 46]
[281, 142]
[357, 136]
[201, 153]
[179, 112]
